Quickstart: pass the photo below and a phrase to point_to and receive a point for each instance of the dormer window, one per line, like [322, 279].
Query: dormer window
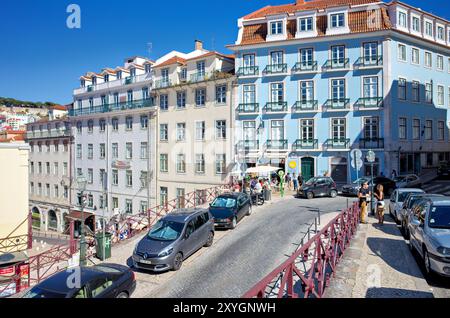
[337, 20]
[132, 72]
[148, 68]
[440, 33]
[165, 75]
[276, 28]
[416, 24]
[106, 77]
[306, 24]
[83, 83]
[402, 19]
[429, 28]
[119, 74]
[94, 80]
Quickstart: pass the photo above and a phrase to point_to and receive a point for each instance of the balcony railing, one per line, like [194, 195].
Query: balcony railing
[143, 103]
[369, 102]
[48, 134]
[114, 83]
[301, 144]
[371, 143]
[309, 66]
[305, 105]
[337, 104]
[336, 64]
[369, 61]
[337, 143]
[163, 83]
[90, 88]
[199, 77]
[248, 71]
[275, 69]
[248, 108]
[276, 107]
[130, 80]
[281, 144]
[248, 145]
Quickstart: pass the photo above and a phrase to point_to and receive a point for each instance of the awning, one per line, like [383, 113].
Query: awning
[76, 215]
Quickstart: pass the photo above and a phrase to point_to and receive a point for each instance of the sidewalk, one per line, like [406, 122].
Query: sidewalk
[378, 264]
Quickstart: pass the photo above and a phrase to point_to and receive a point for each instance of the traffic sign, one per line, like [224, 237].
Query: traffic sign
[356, 153]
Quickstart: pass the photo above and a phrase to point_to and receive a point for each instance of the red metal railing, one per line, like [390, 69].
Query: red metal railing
[308, 271]
[18, 243]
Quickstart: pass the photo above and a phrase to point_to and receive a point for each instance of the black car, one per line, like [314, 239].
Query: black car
[388, 185]
[318, 187]
[100, 281]
[229, 209]
[444, 170]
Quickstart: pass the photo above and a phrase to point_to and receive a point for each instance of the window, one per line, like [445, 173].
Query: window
[440, 95]
[338, 55]
[221, 94]
[32, 167]
[370, 87]
[165, 75]
[201, 68]
[429, 130]
[429, 93]
[144, 150]
[277, 130]
[91, 103]
[221, 129]
[116, 98]
[129, 150]
[276, 92]
[221, 165]
[79, 172]
[181, 99]
[200, 97]
[181, 163]
[181, 132]
[144, 179]
[144, 207]
[144, 122]
[402, 52]
[102, 151]
[39, 189]
[440, 33]
[90, 177]
[416, 129]
[307, 130]
[164, 102]
[128, 206]
[90, 151]
[163, 132]
[415, 91]
[90, 200]
[402, 88]
[129, 123]
[416, 24]
[306, 91]
[56, 146]
[249, 94]
[79, 152]
[415, 56]
[40, 167]
[249, 60]
[31, 187]
[164, 162]
[338, 89]
[65, 169]
[306, 57]
[115, 150]
[129, 178]
[370, 52]
[90, 126]
[115, 203]
[163, 195]
[79, 127]
[276, 58]
[200, 163]
[130, 96]
[306, 24]
[276, 28]
[183, 75]
[148, 68]
[440, 63]
[337, 20]
[55, 168]
[145, 94]
[115, 124]
[200, 129]
[102, 178]
[115, 177]
[441, 130]
[402, 128]
[428, 60]
[338, 126]
[429, 28]
[180, 198]
[47, 190]
[371, 128]
[102, 125]
[47, 167]
[101, 202]
[402, 19]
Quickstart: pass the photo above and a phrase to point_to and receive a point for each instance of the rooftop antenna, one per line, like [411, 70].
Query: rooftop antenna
[213, 46]
[149, 48]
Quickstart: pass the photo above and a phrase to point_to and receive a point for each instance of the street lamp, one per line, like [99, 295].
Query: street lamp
[371, 157]
[81, 185]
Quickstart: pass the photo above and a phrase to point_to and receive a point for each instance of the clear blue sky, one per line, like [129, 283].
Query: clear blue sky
[41, 59]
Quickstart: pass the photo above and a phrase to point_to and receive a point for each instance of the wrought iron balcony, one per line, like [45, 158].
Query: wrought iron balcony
[336, 64]
[54, 133]
[337, 143]
[130, 80]
[369, 61]
[369, 102]
[337, 104]
[143, 103]
[309, 66]
[281, 144]
[90, 88]
[371, 143]
[199, 77]
[248, 108]
[305, 105]
[275, 69]
[163, 83]
[276, 107]
[301, 144]
[248, 145]
[248, 71]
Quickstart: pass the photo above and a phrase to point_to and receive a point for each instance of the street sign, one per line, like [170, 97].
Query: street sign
[358, 164]
[371, 156]
[356, 153]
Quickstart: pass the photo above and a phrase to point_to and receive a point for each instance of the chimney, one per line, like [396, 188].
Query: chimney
[198, 45]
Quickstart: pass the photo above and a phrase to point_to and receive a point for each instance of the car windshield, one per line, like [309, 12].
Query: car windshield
[312, 181]
[37, 292]
[440, 217]
[413, 201]
[166, 231]
[360, 181]
[224, 203]
[402, 196]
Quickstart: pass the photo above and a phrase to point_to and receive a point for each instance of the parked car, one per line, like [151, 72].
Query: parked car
[410, 203]
[429, 227]
[99, 281]
[353, 188]
[408, 181]
[173, 239]
[444, 169]
[318, 187]
[388, 185]
[397, 199]
[228, 209]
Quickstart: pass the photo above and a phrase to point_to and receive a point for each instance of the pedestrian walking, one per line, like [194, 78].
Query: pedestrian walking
[394, 174]
[300, 181]
[363, 195]
[379, 194]
[295, 181]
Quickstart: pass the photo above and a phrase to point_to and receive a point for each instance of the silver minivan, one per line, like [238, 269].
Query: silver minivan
[173, 239]
[429, 228]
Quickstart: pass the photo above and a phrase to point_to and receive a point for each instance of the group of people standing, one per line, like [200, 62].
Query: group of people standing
[365, 196]
[293, 182]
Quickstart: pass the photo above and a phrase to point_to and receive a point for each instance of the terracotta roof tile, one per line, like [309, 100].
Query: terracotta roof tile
[171, 61]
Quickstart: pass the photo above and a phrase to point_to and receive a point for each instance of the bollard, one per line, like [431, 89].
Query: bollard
[318, 212]
[315, 225]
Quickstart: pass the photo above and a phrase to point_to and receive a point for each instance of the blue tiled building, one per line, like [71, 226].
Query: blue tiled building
[320, 78]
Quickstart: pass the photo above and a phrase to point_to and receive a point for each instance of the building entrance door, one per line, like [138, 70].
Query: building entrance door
[307, 167]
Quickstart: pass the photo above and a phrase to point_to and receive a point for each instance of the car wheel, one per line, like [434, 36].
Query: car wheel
[233, 223]
[309, 195]
[333, 194]
[426, 262]
[210, 240]
[177, 262]
[123, 295]
[250, 211]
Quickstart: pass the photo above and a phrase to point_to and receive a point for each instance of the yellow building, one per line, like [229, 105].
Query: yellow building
[13, 190]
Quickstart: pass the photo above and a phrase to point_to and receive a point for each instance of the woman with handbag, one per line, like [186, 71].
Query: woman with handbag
[379, 194]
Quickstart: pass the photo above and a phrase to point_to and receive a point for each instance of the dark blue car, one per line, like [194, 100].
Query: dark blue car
[228, 209]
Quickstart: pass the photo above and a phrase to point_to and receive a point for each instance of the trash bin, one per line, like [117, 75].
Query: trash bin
[103, 245]
[267, 195]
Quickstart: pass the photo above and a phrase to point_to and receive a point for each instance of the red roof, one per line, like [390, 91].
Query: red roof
[59, 107]
[172, 60]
